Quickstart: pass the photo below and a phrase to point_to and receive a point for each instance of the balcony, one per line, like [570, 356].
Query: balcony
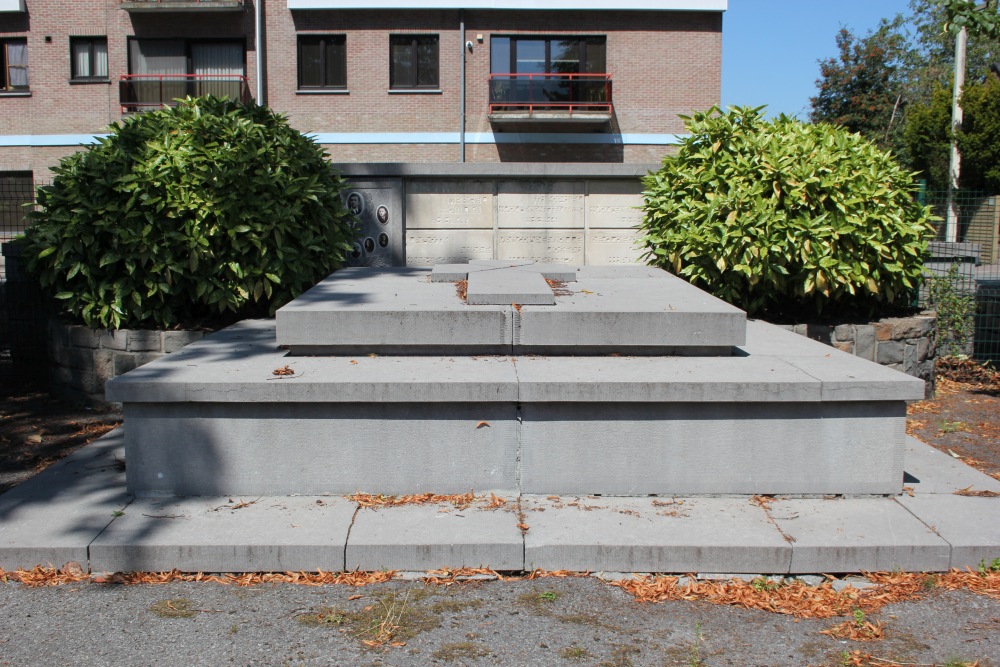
[141, 92]
[582, 101]
[139, 6]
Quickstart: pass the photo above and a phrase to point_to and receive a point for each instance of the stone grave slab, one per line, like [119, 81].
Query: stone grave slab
[429, 537]
[858, 535]
[223, 534]
[651, 535]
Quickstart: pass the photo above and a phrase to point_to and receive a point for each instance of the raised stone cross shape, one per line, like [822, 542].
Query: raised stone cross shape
[499, 282]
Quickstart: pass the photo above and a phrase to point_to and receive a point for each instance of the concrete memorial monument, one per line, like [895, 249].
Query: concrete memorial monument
[512, 376]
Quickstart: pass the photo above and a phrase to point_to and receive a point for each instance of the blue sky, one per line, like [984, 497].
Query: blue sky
[771, 48]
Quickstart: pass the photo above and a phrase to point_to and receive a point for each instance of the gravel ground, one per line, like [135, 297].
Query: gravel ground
[541, 622]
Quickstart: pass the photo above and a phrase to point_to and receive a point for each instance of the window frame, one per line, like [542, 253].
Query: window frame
[414, 40]
[334, 39]
[548, 39]
[91, 40]
[6, 88]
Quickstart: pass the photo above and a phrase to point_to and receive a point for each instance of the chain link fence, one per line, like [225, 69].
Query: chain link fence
[23, 309]
[964, 265]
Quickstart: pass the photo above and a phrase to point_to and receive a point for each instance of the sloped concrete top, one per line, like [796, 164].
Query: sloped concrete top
[237, 365]
[508, 309]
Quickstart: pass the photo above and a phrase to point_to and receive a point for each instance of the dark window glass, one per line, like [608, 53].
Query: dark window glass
[536, 55]
[88, 57]
[322, 61]
[413, 61]
[14, 64]
[164, 70]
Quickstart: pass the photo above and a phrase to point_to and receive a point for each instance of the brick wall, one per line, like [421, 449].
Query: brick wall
[57, 105]
[662, 63]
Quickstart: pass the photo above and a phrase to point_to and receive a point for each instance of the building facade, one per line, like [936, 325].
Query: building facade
[484, 82]
[396, 81]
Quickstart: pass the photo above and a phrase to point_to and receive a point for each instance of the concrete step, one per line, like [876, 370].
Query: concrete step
[78, 510]
[208, 420]
[510, 310]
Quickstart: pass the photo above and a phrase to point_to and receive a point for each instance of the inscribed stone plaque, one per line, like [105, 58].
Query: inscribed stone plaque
[537, 204]
[447, 246]
[449, 205]
[541, 245]
[612, 246]
[614, 204]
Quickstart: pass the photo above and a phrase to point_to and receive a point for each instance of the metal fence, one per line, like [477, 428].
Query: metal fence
[970, 259]
[23, 309]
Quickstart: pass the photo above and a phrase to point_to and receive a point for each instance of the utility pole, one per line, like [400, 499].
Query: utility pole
[955, 164]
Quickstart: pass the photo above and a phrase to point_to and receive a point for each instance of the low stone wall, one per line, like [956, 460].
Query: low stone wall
[907, 344]
[83, 359]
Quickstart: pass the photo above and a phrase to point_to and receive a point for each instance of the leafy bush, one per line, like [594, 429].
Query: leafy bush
[781, 218]
[187, 213]
[953, 297]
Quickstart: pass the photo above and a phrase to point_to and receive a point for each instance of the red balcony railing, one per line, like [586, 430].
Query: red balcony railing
[550, 91]
[139, 92]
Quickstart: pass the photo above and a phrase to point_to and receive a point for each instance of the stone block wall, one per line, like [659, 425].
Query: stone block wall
[83, 359]
[907, 344]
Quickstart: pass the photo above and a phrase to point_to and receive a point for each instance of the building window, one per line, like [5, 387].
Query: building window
[88, 58]
[14, 64]
[549, 73]
[529, 54]
[322, 61]
[164, 70]
[413, 61]
[16, 189]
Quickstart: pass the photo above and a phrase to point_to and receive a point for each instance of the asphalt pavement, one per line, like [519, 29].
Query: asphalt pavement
[552, 621]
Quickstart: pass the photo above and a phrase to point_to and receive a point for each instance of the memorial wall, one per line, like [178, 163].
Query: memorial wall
[565, 216]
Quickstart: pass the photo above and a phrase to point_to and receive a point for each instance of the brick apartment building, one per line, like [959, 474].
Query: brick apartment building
[381, 81]
[595, 81]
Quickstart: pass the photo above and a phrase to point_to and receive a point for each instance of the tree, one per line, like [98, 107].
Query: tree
[978, 18]
[183, 214]
[927, 137]
[861, 89]
[785, 219]
[893, 85]
[979, 137]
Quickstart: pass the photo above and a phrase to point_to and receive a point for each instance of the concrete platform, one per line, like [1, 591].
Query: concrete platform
[78, 510]
[616, 309]
[210, 418]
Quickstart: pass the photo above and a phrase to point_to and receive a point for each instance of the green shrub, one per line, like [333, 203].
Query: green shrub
[784, 219]
[953, 297]
[182, 215]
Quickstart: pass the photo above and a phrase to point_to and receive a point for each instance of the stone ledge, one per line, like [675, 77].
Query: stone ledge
[906, 344]
[83, 360]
